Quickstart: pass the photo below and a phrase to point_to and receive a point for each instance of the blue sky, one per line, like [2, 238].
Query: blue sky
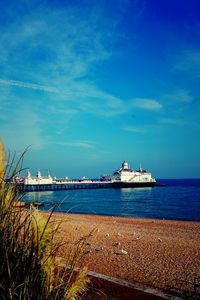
[88, 84]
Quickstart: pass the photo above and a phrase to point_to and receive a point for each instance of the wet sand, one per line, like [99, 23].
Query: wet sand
[158, 253]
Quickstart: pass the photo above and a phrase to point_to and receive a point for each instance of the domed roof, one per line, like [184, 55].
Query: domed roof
[125, 165]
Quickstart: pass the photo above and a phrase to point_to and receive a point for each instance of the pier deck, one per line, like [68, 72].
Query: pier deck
[82, 185]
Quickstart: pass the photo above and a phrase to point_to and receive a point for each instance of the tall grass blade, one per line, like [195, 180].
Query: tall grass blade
[29, 268]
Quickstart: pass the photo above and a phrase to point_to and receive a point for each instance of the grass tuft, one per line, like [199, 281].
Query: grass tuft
[29, 268]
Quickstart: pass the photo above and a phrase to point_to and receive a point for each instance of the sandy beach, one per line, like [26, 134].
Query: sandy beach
[157, 253]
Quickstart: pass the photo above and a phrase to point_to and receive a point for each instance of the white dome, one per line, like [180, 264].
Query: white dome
[125, 165]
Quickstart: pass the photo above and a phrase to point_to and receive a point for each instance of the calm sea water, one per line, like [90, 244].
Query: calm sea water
[178, 200]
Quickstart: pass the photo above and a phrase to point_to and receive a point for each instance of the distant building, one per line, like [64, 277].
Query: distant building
[38, 179]
[125, 174]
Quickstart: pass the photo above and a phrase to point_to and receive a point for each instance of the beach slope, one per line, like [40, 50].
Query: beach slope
[159, 253]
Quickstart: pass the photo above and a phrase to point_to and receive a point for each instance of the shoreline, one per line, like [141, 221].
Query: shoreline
[161, 254]
[118, 216]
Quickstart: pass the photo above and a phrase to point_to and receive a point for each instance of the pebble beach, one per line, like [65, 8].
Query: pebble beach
[162, 254]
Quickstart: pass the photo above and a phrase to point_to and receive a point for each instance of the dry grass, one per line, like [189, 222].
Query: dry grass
[29, 268]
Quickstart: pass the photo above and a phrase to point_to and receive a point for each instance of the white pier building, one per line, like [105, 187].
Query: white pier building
[38, 179]
[125, 174]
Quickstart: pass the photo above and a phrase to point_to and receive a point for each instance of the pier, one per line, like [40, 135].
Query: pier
[123, 177]
[82, 185]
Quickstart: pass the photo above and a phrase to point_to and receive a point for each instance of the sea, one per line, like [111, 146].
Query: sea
[178, 199]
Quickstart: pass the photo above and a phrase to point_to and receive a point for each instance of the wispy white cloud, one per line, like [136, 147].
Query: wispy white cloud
[28, 85]
[178, 95]
[75, 143]
[146, 104]
[80, 144]
[134, 129]
[56, 50]
[67, 112]
[22, 131]
[92, 100]
[61, 43]
[172, 121]
[189, 63]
